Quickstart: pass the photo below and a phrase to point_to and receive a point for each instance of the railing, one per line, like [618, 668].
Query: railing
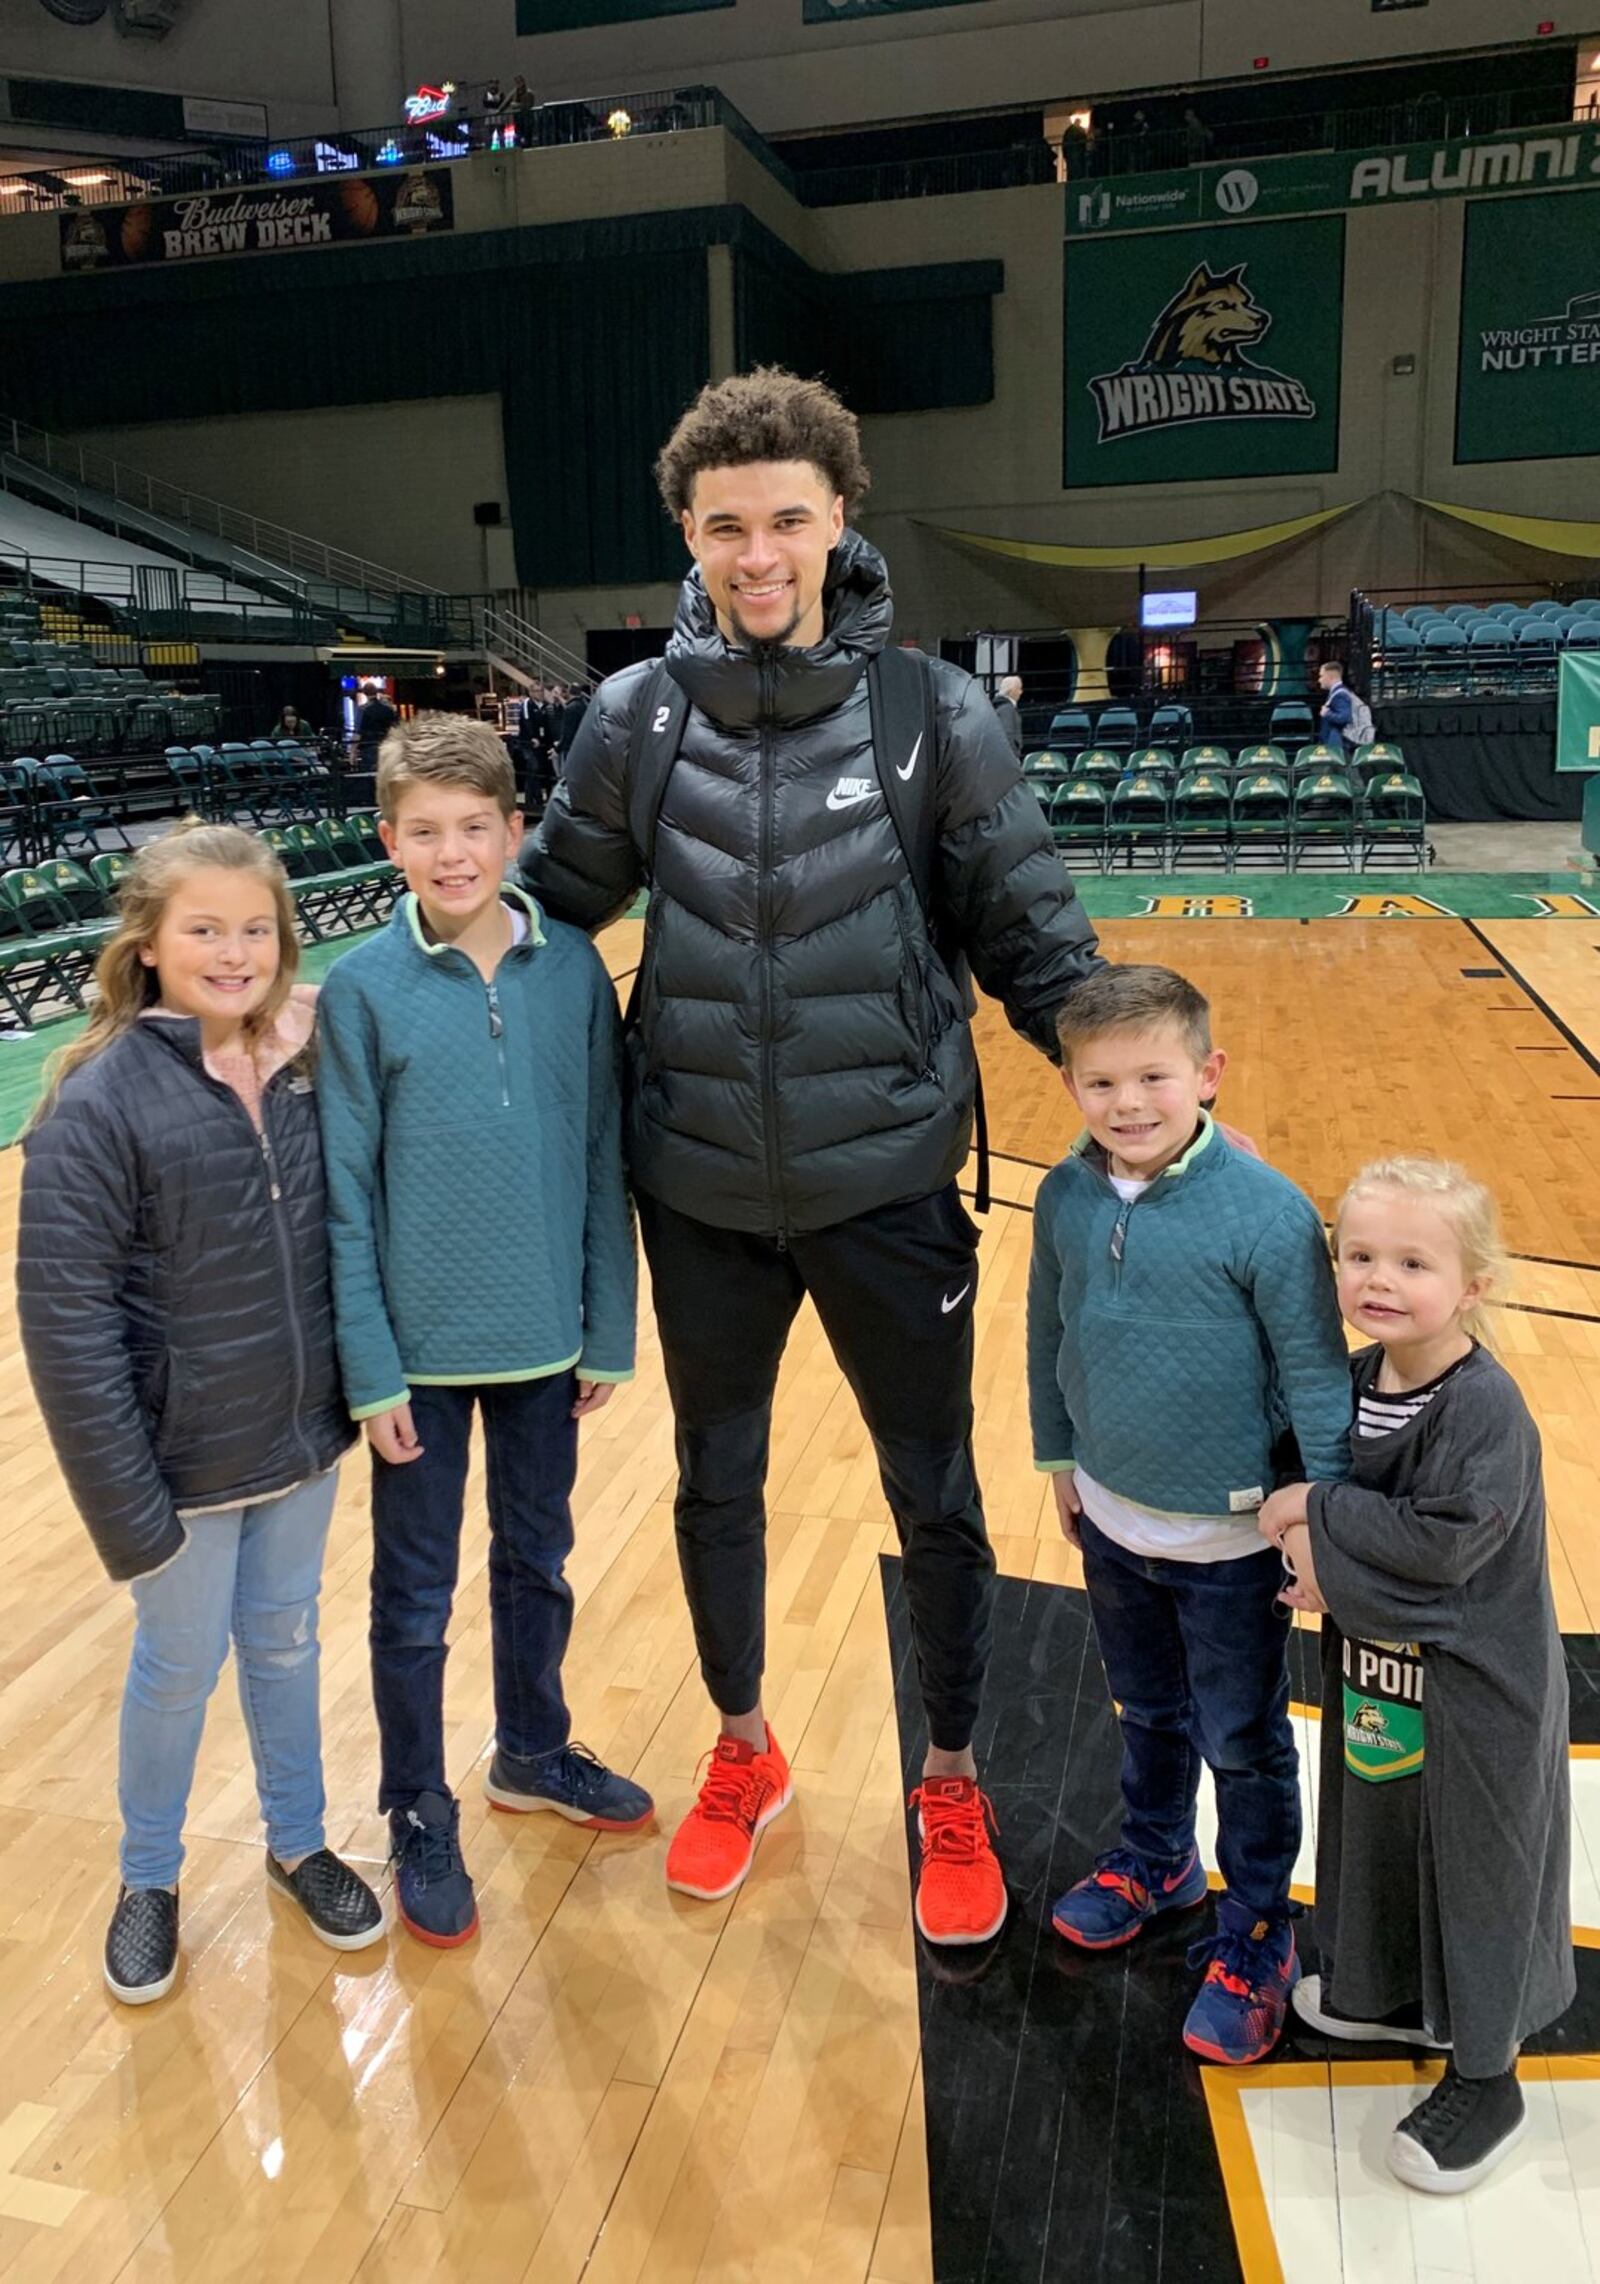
[544, 126]
[949, 175]
[278, 548]
[175, 603]
[1125, 149]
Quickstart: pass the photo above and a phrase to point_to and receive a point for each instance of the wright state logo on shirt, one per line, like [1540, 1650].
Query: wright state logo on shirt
[1383, 1734]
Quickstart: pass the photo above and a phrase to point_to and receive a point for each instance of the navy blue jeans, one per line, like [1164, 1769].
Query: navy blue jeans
[531, 1455]
[1197, 1657]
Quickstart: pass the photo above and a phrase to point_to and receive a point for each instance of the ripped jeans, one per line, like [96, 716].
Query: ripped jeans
[252, 1575]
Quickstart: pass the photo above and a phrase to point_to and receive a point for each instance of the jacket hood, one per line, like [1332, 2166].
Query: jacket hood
[740, 688]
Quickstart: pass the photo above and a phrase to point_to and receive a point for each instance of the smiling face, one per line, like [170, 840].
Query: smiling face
[1140, 1093]
[453, 844]
[1401, 1276]
[216, 950]
[762, 534]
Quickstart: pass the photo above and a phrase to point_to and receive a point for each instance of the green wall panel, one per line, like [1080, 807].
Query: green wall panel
[1528, 374]
[1204, 353]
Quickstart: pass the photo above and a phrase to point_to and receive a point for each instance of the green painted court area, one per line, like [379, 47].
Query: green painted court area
[1341, 896]
[1127, 896]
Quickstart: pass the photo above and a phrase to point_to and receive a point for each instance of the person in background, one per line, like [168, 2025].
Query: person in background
[373, 724]
[575, 706]
[1346, 719]
[292, 728]
[1007, 700]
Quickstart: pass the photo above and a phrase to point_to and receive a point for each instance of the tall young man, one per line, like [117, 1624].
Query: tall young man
[802, 1069]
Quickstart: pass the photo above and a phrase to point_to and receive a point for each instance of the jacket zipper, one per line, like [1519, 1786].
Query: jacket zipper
[497, 1032]
[1119, 1240]
[286, 1266]
[769, 1083]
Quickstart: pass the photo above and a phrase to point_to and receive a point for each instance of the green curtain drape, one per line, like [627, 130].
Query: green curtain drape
[906, 340]
[596, 335]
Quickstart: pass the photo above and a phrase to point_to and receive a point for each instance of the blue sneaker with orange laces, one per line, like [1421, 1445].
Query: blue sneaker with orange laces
[1122, 1894]
[1251, 1969]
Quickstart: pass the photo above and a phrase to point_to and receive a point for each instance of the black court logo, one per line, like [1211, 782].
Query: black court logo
[1195, 367]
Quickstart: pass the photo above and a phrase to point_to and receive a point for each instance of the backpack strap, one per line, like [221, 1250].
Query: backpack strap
[653, 742]
[905, 722]
[905, 739]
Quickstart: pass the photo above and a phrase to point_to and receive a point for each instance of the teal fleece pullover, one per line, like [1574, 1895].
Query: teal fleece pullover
[1173, 1340]
[480, 1223]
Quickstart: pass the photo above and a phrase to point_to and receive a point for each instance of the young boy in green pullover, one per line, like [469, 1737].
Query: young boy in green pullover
[483, 1258]
[1181, 1322]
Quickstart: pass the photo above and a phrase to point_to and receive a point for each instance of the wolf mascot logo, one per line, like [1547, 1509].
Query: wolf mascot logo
[1193, 367]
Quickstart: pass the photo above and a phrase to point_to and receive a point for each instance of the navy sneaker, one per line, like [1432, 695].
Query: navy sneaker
[141, 1961]
[572, 1782]
[1121, 1894]
[1251, 1969]
[431, 1883]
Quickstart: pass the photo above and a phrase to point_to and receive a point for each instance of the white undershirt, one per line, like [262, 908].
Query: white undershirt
[1151, 1531]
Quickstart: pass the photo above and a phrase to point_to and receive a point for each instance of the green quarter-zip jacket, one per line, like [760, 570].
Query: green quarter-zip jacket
[479, 1220]
[1173, 1340]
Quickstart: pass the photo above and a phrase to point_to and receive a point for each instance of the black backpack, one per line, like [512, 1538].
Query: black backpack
[900, 697]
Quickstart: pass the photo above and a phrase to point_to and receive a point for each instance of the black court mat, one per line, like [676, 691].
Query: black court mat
[1068, 2135]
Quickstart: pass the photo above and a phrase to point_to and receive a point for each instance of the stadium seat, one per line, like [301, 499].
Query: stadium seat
[1255, 757]
[1381, 755]
[1152, 761]
[1099, 762]
[1313, 758]
[1070, 731]
[1172, 726]
[1117, 729]
[1323, 820]
[1204, 757]
[1394, 819]
[1585, 635]
[109, 870]
[1289, 720]
[1202, 813]
[1079, 819]
[1262, 813]
[1141, 818]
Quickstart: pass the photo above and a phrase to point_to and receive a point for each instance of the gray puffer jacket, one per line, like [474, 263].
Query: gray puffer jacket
[801, 1053]
[172, 1288]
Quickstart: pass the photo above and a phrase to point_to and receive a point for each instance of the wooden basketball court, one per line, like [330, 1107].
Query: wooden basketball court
[618, 2084]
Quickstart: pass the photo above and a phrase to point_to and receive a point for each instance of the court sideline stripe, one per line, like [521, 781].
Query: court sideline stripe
[1566, 1031]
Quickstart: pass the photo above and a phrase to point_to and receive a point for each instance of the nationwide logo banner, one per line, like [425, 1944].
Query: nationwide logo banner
[1204, 354]
[206, 225]
[1528, 366]
[1320, 182]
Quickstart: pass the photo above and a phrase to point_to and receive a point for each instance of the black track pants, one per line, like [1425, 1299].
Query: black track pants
[894, 1290]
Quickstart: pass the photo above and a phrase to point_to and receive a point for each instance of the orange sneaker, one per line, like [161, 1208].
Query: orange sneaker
[961, 1897]
[713, 1847]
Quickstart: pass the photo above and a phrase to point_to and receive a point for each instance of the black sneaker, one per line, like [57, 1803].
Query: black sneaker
[431, 1882]
[142, 1945]
[1460, 2133]
[341, 1908]
[1405, 2027]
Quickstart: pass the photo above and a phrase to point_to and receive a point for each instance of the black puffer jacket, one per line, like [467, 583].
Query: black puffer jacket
[801, 1052]
[172, 1284]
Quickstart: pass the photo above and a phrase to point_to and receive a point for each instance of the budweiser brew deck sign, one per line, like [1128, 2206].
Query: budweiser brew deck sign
[282, 218]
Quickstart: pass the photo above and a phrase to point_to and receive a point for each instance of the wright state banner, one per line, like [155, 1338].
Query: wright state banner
[1204, 353]
[1528, 379]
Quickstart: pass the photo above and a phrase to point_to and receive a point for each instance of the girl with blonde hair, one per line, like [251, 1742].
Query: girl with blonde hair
[1443, 1833]
[174, 1301]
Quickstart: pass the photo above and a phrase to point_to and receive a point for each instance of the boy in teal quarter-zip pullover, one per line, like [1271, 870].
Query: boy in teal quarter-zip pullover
[483, 1258]
[1182, 1327]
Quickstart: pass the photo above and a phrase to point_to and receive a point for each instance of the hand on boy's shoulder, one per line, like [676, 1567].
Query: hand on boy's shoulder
[1242, 1142]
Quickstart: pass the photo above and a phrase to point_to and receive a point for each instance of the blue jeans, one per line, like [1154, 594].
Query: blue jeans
[252, 1574]
[1197, 1657]
[531, 1450]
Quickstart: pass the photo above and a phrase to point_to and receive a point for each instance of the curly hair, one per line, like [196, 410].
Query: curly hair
[765, 415]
